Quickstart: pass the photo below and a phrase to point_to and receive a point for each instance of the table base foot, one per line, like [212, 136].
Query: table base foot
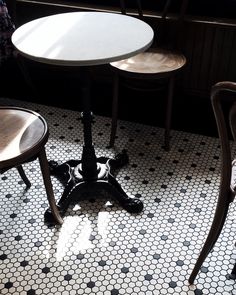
[78, 187]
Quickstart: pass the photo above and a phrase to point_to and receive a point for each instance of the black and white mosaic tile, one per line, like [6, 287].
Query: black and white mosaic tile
[101, 249]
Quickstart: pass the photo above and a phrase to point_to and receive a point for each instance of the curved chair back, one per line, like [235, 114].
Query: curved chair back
[223, 99]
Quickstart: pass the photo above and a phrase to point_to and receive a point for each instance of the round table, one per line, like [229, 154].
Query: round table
[85, 39]
[82, 38]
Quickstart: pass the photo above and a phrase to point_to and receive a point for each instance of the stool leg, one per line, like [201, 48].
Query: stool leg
[169, 113]
[23, 176]
[48, 186]
[114, 109]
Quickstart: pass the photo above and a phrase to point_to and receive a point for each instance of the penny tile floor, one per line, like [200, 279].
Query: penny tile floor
[100, 248]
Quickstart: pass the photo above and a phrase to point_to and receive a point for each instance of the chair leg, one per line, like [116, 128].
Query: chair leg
[169, 113]
[233, 273]
[48, 186]
[215, 230]
[23, 176]
[114, 109]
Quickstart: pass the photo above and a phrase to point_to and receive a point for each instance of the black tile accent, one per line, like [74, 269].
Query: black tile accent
[3, 257]
[142, 231]
[124, 270]
[102, 263]
[134, 250]
[24, 263]
[31, 292]
[138, 196]
[172, 284]
[46, 270]
[204, 269]
[114, 292]
[148, 277]
[192, 225]
[32, 220]
[198, 292]
[150, 215]
[180, 262]
[91, 284]
[38, 244]
[80, 256]
[156, 256]
[18, 238]
[8, 285]
[198, 210]
[13, 215]
[68, 277]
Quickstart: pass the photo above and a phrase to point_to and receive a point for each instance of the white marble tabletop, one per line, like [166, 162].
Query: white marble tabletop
[82, 38]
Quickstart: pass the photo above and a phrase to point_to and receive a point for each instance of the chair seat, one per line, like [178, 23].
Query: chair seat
[23, 133]
[154, 61]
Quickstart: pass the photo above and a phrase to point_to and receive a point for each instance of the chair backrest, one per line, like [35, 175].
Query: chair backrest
[168, 34]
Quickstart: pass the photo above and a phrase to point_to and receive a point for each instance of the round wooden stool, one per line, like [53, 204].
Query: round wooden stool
[24, 134]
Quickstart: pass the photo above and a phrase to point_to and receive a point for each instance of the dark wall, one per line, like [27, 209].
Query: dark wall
[209, 48]
[209, 8]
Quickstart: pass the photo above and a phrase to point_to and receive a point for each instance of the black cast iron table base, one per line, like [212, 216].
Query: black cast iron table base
[90, 174]
[78, 186]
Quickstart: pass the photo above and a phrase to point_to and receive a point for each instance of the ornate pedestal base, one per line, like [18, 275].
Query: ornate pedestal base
[77, 185]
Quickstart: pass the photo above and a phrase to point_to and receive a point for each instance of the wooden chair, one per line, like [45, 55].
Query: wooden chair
[160, 62]
[223, 99]
[23, 135]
